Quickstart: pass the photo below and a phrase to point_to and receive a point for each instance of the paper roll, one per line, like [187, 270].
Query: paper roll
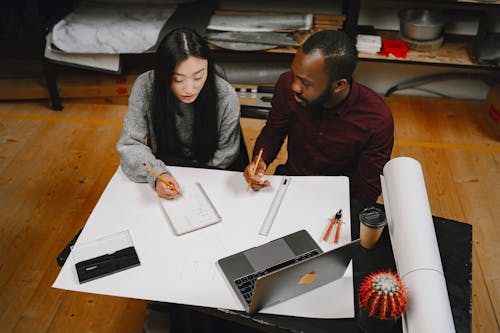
[410, 220]
[428, 305]
[253, 72]
[415, 248]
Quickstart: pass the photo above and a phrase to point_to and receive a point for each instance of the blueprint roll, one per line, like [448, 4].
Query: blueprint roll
[415, 248]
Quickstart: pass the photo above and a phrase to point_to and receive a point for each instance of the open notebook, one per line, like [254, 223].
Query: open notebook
[191, 211]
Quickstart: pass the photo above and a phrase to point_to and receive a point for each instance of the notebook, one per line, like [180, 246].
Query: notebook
[283, 268]
[191, 211]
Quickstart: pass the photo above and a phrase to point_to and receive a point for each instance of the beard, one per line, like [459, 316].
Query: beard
[317, 103]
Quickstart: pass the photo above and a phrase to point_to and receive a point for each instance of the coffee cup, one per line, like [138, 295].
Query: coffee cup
[372, 222]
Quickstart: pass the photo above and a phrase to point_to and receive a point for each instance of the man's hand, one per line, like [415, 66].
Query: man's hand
[167, 191]
[256, 180]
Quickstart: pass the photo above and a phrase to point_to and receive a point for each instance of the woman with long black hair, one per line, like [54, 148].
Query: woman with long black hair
[182, 113]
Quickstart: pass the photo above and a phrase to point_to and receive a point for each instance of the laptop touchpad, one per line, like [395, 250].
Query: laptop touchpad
[268, 255]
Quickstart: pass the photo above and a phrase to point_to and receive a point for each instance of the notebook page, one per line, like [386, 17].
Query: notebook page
[191, 211]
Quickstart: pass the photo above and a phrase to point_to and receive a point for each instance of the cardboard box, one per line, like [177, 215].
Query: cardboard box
[493, 110]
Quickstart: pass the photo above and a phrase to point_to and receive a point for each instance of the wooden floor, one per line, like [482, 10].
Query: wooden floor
[55, 165]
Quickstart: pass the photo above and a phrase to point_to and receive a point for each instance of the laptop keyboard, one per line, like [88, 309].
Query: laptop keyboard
[246, 284]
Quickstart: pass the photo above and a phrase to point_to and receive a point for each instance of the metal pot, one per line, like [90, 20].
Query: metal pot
[421, 24]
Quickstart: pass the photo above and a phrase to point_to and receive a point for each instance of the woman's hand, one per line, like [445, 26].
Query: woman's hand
[256, 180]
[169, 189]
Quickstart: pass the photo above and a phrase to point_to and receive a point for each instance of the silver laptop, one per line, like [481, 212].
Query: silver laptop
[283, 268]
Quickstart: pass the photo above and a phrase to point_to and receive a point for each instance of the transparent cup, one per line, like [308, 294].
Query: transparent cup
[372, 222]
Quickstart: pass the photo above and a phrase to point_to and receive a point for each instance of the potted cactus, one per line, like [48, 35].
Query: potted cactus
[382, 300]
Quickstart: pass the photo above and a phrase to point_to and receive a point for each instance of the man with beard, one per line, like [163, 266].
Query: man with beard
[335, 126]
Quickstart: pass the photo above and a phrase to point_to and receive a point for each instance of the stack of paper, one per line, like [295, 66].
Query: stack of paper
[192, 211]
[105, 62]
[95, 33]
[255, 32]
[369, 43]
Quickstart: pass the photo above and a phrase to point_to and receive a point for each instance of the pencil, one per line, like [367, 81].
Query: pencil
[160, 178]
[255, 165]
[336, 237]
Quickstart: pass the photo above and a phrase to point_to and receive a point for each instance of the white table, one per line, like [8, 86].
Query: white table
[182, 269]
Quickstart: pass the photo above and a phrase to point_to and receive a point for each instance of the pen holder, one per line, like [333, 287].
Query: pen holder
[382, 300]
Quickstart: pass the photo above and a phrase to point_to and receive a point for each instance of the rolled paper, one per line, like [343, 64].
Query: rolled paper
[414, 244]
[428, 304]
[250, 72]
[409, 217]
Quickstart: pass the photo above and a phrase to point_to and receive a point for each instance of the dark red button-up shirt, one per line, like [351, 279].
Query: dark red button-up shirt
[353, 140]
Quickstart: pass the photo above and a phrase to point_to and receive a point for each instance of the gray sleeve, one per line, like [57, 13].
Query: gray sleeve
[131, 146]
[229, 126]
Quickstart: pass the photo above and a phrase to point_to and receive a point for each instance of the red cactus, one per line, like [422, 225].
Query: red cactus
[383, 295]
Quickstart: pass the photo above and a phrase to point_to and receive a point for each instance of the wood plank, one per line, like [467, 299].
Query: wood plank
[65, 205]
[473, 172]
[62, 205]
[460, 161]
[483, 316]
[102, 85]
[13, 133]
[25, 189]
[83, 312]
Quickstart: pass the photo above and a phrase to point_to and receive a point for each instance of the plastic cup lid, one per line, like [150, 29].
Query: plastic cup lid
[373, 217]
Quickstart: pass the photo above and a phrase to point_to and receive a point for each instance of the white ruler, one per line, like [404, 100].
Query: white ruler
[275, 206]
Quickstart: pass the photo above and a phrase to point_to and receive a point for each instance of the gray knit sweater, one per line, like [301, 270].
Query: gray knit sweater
[137, 146]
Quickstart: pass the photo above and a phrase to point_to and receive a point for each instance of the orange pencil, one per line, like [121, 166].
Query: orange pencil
[160, 178]
[336, 237]
[259, 156]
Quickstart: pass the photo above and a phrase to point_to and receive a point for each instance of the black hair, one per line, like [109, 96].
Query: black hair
[175, 47]
[338, 49]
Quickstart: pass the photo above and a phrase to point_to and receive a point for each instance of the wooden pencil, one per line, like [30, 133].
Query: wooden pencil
[160, 178]
[259, 156]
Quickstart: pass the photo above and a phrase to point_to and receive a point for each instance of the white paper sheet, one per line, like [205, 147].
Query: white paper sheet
[106, 62]
[415, 247]
[183, 269]
[108, 28]
[191, 211]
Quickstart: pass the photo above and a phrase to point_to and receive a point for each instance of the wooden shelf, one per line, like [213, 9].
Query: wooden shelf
[453, 52]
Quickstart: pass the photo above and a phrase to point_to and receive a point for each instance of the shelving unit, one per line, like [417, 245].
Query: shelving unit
[455, 51]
